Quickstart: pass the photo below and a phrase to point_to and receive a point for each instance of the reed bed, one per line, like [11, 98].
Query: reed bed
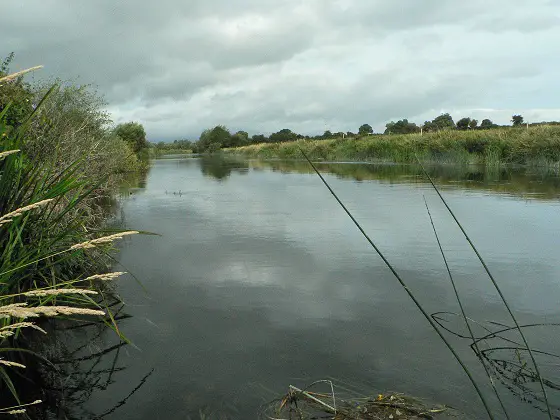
[51, 254]
[538, 145]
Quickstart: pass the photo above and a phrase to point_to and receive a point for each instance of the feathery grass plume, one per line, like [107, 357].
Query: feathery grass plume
[104, 240]
[15, 75]
[11, 364]
[16, 412]
[55, 292]
[19, 212]
[21, 310]
[18, 409]
[8, 153]
[105, 277]
[8, 330]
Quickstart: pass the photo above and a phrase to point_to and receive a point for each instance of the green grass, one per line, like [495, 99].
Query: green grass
[46, 212]
[533, 146]
[156, 152]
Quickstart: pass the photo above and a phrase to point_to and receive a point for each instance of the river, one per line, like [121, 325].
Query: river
[257, 279]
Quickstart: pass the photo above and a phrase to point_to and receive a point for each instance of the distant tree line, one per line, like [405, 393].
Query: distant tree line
[175, 145]
[219, 137]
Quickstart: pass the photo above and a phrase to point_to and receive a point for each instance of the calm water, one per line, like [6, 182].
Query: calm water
[258, 280]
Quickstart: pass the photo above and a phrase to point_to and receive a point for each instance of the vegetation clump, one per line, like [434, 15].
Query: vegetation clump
[58, 157]
[306, 404]
[534, 146]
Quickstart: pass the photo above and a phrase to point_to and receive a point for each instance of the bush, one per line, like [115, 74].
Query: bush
[46, 238]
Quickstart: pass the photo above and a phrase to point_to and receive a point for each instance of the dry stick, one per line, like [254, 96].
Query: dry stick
[332, 389]
[495, 283]
[405, 287]
[312, 398]
[475, 343]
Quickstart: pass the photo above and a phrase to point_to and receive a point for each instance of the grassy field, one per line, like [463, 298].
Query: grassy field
[538, 146]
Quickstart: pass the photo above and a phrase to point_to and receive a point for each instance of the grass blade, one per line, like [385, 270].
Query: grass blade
[406, 288]
[463, 313]
[495, 283]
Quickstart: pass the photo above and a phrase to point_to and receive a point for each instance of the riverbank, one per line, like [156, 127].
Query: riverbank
[60, 163]
[539, 146]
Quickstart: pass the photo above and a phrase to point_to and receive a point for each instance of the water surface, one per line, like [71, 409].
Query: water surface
[258, 280]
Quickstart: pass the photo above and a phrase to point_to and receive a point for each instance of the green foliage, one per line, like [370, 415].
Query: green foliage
[283, 136]
[463, 123]
[214, 139]
[74, 126]
[472, 146]
[486, 124]
[176, 147]
[467, 124]
[133, 133]
[259, 138]
[442, 122]
[37, 236]
[241, 138]
[517, 120]
[401, 127]
[365, 129]
[16, 94]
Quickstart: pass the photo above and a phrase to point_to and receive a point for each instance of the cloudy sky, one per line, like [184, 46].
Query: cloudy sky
[179, 66]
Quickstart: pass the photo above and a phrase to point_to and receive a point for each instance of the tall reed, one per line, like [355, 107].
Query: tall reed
[407, 290]
[49, 251]
[431, 320]
[496, 146]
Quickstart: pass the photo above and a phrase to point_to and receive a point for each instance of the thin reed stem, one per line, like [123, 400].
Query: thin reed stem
[467, 323]
[406, 288]
[495, 283]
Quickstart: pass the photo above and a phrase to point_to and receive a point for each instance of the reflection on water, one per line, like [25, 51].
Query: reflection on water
[543, 183]
[259, 281]
[219, 168]
[77, 361]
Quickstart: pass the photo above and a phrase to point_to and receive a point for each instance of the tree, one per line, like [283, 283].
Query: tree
[428, 127]
[486, 124]
[258, 138]
[401, 127]
[327, 135]
[444, 121]
[463, 123]
[365, 129]
[283, 136]
[517, 120]
[214, 139]
[473, 124]
[241, 138]
[133, 133]
[350, 134]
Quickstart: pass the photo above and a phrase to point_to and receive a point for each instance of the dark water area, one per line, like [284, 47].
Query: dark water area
[257, 280]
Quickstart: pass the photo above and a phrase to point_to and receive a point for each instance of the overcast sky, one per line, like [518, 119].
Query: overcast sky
[179, 66]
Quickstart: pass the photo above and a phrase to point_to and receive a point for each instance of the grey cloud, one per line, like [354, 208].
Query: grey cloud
[261, 65]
